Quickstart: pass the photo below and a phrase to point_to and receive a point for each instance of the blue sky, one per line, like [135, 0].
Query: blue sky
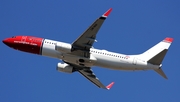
[131, 28]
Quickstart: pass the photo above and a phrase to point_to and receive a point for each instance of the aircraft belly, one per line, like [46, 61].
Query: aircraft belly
[77, 60]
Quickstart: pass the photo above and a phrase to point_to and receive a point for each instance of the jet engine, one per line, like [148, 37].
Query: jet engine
[63, 67]
[63, 47]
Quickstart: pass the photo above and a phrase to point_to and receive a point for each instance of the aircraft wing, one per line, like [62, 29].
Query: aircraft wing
[88, 73]
[86, 40]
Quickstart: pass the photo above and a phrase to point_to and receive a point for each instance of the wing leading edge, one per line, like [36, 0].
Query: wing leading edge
[86, 40]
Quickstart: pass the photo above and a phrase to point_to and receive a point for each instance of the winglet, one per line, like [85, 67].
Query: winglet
[107, 13]
[110, 85]
[170, 40]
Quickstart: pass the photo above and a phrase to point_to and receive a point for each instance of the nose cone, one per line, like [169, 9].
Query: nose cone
[8, 42]
[5, 41]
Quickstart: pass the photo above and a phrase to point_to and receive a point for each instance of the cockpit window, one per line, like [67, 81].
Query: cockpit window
[13, 36]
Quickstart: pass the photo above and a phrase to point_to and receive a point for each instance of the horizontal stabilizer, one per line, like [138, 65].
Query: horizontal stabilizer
[160, 72]
[157, 59]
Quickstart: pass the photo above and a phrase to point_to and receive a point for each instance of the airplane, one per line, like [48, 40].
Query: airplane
[80, 56]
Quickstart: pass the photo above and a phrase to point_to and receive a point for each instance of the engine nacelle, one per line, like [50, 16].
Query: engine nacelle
[63, 67]
[63, 47]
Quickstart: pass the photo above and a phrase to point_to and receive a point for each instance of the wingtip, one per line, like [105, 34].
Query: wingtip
[168, 39]
[107, 13]
[110, 85]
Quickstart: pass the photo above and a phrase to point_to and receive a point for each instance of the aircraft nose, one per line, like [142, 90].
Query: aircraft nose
[7, 42]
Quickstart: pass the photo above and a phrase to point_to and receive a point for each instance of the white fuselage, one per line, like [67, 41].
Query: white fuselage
[101, 58]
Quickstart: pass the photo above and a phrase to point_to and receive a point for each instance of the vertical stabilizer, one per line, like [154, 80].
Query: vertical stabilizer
[156, 54]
